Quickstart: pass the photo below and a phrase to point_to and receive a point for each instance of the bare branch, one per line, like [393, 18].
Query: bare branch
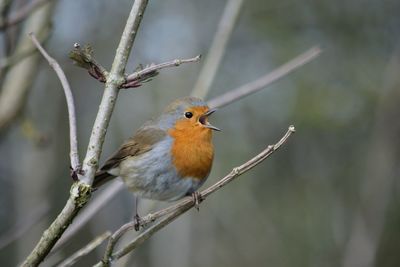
[81, 191]
[134, 79]
[266, 80]
[114, 81]
[22, 13]
[74, 155]
[183, 206]
[217, 49]
[85, 250]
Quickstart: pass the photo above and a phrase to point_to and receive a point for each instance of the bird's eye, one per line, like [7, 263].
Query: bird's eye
[188, 114]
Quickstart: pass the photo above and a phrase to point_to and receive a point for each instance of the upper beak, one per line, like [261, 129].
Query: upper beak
[206, 123]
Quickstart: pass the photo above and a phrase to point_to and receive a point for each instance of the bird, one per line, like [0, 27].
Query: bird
[168, 157]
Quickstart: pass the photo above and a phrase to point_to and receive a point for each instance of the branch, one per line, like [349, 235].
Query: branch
[183, 206]
[134, 79]
[114, 81]
[217, 49]
[22, 13]
[266, 80]
[81, 191]
[74, 155]
[85, 250]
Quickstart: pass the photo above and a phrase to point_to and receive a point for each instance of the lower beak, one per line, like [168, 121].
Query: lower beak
[207, 124]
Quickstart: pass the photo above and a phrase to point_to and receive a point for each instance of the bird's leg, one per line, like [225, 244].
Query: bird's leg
[136, 218]
[197, 198]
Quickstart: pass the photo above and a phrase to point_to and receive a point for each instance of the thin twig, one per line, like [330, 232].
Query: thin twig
[85, 250]
[266, 80]
[184, 205]
[74, 155]
[153, 69]
[81, 191]
[22, 13]
[217, 49]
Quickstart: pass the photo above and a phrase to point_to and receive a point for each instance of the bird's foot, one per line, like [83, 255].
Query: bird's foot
[197, 198]
[137, 221]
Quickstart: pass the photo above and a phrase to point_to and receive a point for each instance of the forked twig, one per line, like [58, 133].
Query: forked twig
[81, 191]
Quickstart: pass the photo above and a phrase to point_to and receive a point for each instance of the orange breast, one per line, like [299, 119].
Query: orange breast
[192, 150]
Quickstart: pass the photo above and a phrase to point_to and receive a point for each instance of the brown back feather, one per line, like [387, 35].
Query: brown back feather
[140, 143]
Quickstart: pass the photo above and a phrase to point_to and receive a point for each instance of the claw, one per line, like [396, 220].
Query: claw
[197, 198]
[137, 220]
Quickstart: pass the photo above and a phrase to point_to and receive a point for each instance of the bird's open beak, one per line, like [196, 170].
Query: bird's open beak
[205, 123]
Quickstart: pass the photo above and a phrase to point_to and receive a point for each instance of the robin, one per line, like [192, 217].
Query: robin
[169, 157]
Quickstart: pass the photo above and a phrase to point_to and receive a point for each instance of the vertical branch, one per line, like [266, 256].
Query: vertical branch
[213, 59]
[114, 80]
[81, 191]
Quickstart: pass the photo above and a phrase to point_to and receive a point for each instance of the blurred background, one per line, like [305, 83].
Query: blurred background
[329, 197]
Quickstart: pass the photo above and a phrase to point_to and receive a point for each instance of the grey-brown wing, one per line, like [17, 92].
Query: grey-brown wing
[143, 141]
[140, 143]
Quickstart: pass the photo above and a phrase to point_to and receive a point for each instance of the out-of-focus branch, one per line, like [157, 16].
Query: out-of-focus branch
[81, 191]
[217, 49]
[182, 206]
[365, 240]
[16, 57]
[266, 80]
[20, 76]
[74, 155]
[22, 13]
[85, 250]
[22, 226]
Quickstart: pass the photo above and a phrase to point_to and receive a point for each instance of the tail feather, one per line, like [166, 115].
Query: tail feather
[101, 178]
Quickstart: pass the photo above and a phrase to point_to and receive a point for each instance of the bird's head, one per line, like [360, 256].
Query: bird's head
[189, 113]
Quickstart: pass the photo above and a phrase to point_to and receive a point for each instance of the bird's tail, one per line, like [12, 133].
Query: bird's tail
[101, 178]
